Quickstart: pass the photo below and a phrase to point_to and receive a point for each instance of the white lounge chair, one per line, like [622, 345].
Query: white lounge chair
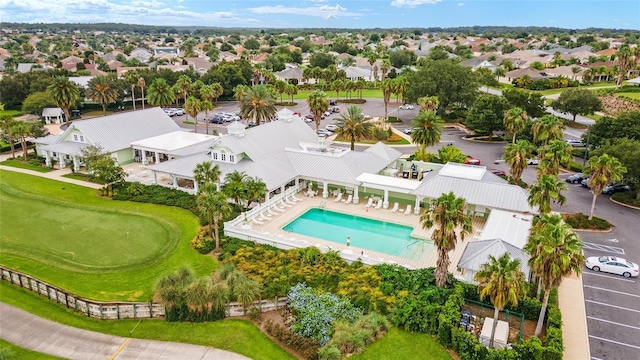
[294, 198]
[262, 217]
[338, 198]
[349, 199]
[369, 203]
[284, 204]
[290, 200]
[395, 207]
[271, 212]
[278, 208]
[257, 222]
[379, 205]
[407, 211]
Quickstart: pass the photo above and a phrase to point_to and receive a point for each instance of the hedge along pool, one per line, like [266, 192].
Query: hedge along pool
[385, 237]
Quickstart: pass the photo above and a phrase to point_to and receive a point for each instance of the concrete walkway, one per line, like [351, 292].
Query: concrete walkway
[574, 319]
[29, 331]
[53, 175]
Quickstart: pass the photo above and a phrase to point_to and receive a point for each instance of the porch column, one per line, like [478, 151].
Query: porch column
[267, 197]
[325, 190]
[416, 209]
[297, 183]
[144, 157]
[76, 164]
[157, 157]
[175, 181]
[63, 164]
[47, 158]
[385, 202]
[356, 199]
[155, 177]
[282, 189]
[196, 186]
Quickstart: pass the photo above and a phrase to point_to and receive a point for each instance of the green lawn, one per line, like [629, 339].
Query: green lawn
[24, 165]
[635, 96]
[10, 113]
[94, 247]
[399, 344]
[236, 335]
[366, 94]
[24, 354]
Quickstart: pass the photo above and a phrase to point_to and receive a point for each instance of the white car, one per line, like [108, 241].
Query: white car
[325, 132]
[406, 107]
[611, 264]
[331, 127]
[178, 111]
[575, 143]
[533, 161]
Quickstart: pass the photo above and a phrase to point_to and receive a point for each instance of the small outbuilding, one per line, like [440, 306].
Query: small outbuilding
[501, 337]
[53, 115]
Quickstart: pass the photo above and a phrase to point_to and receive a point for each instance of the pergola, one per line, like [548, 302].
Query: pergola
[388, 183]
[167, 146]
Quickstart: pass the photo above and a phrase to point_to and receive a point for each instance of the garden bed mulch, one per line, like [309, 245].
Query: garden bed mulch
[277, 318]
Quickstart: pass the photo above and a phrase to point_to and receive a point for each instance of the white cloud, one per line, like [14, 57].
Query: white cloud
[318, 1]
[413, 3]
[460, 4]
[323, 11]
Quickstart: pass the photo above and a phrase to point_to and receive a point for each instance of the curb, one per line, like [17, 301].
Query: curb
[625, 205]
[593, 231]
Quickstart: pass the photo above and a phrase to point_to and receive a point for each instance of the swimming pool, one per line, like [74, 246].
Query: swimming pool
[386, 237]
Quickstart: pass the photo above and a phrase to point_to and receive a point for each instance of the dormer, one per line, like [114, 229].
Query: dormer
[222, 154]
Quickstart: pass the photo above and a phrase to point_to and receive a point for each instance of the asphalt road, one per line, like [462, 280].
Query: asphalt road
[612, 302]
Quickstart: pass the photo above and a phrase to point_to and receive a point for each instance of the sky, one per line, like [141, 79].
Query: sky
[572, 14]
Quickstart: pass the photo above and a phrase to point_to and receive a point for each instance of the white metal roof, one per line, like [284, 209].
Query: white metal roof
[52, 111]
[463, 171]
[169, 142]
[387, 182]
[511, 227]
[477, 253]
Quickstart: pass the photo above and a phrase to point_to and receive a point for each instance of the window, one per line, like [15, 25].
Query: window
[81, 138]
[215, 156]
[75, 137]
[223, 157]
[232, 158]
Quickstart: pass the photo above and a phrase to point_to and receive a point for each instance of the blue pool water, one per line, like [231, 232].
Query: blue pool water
[381, 236]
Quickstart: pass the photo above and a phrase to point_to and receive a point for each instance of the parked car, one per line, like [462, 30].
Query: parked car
[327, 113]
[498, 172]
[331, 127]
[585, 183]
[575, 143]
[611, 264]
[472, 161]
[216, 120]
[178, 111]
[533, 161]
[408, 131]
[325, 132]
[575, 178]
[170, 112]
[333, 102]
[406, 107]
[251, 124]
[615, 188]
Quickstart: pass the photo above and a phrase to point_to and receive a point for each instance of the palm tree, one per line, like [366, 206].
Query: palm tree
[546, 189]
[207, 94]
[131, 78]
[103, 90]
[337, 86]
[240, 91]
[206, 173]
[602, 171]
[192, 107]
[626, 61]
[64, 93]
[499, 72]
[515, 120]
[160, 93]
[384, 67]
[247, 291]
[183, 84]
[517, 157]
[22, 130]
[291, 90]
[352, 125]
[556, 252]
[547, 128]
[171, 288]
[429, 103]
[553, 155]
[401, 86]
[142, 84]
[318, 103]
[218, 90]
[258, 104]
[214, 207]
[256, 189]
[6, 125]
[448, 214]
[235, 186]
[502, 280]
[206, 106]
[387, 88]
[371, 59]
[427, 128]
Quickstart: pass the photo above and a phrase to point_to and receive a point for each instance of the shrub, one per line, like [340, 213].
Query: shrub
[626, 198]
[393, 119]
[203, 242]
[450, 315]
[157, 194]
[352, 101]
[574, 166]
[529, 307]
[581, 221]
[329, 353]
[307, 347]
[394, 138]
[6, 354]
[353, 338]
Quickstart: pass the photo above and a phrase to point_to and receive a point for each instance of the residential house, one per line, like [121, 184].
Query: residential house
[141, 54]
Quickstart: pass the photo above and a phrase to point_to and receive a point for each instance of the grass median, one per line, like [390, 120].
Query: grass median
[94, 247]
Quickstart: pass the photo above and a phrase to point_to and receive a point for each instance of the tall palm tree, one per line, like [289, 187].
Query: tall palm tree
[142, 84]
[371, 59]
[279, 86]
[218, 90]
[337, 86]
[256, 189]
[131, 77]
[102, 89]
[553, 155]
[556, 252]
[318, 103]
[502, 280]
[352, 125]
[626, 62]
[448, 215]
[291, 90]
[183, 84]
[247, 291]
[258, 104]
[240, 91]
[207, 94]
[192, 107]
[427, 128]
[387, 88]
[429, 103]
[206, 173]
[499, 72]
[401, 86]
[64, 93]
[160, 93]
[384, 67]
[214, 207]
[546, 189]
[22, 130]
[6, 126]
[602, 171]
[517, 157]
[235, 186]
[547, 128]
[515, 120]
[171, 288]
[206, 106]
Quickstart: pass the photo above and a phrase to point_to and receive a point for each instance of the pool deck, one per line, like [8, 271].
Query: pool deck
[428, 259]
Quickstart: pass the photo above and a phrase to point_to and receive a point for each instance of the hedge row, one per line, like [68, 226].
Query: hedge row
[307, 347]
[155, 194]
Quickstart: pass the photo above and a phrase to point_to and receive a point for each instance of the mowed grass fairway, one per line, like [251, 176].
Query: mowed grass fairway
[94, 247]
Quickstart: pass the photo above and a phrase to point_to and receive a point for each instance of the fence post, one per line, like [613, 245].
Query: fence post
[101, 315]
[117, 311]
[507, 315]
[150, 310]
